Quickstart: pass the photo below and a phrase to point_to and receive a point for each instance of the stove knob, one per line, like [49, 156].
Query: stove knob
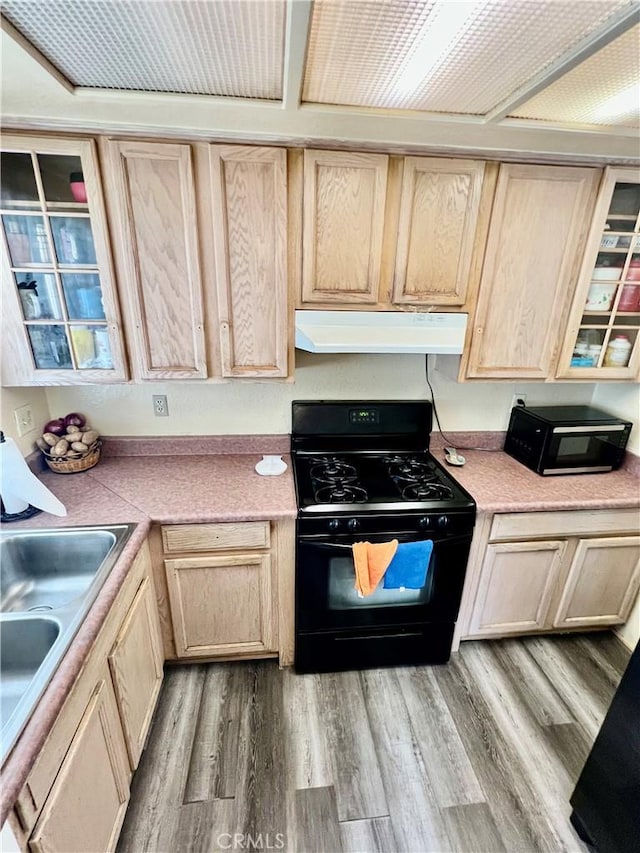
[334, 524]
[443, 522]
[424, 523]
[353, 524]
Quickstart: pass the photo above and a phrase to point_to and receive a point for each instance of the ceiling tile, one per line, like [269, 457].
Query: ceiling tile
[602, 90]
[463, 57]
[205, 47]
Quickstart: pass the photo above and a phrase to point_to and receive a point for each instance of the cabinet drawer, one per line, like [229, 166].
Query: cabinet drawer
[178, 538]
[581, 522]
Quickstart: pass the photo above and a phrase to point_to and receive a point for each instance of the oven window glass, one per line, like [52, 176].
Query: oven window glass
[342, 593]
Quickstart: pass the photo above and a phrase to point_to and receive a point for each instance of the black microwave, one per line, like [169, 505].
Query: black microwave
[566, 439]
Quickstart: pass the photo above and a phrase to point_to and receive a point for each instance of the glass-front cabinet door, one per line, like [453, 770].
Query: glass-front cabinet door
[61, 322]
[603, 334]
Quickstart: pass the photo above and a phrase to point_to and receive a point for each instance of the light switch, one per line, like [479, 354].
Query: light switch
[24, 419]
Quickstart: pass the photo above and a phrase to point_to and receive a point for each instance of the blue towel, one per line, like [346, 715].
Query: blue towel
[409, 566]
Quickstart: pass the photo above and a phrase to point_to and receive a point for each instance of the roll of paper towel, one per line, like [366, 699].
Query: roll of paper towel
[19, 487]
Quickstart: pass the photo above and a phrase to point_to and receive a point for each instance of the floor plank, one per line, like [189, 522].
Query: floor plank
[317, 821]
[159, 782]
[206, 779]
[587, 707]
[531, 683]
[261, 805]
[416, 820]
[356, 772]
[308, 757]
[373, 835]
[502, 778]
[549, 780]
[447, 764]
[571, 745]
[472, 828]
[204, 827]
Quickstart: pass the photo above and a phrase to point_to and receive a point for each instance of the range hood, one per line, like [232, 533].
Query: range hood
[380, 331]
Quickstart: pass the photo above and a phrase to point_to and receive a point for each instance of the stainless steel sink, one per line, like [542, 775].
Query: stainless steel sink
[48, 581]
[46, 570]
[24, 644]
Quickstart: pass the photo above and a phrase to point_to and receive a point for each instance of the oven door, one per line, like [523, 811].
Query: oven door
[326, 598]
[584, 450]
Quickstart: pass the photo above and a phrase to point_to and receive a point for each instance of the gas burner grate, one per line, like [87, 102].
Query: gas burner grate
[421, 491]
[332, 470]
[341, 493]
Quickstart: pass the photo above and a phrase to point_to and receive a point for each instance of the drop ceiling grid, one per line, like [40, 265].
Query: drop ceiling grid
[358, 50]
[579, 96]
[183, 46]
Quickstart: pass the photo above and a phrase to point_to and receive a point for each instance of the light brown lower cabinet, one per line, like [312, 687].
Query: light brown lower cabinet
[77, 791]
[517, 581]
[87, 804]
[551, 580]
[222, 604]
[136, 669]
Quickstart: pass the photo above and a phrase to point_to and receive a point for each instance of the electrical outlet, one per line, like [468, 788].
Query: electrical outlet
[24, 419]
[518, 399]
[160, 406]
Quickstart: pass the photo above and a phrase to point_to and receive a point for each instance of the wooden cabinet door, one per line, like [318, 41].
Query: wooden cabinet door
[136, 668]
[61, 319]
[154, 209]
[221, 605]
[517, 580]
[602, 583]
[535, 243]
[88, 801]
[249, 194]
[439, 207]
[343, 224]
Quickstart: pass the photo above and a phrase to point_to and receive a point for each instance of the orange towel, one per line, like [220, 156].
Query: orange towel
[371, 562]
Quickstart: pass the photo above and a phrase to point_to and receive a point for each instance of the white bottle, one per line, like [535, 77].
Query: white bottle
[618, 352]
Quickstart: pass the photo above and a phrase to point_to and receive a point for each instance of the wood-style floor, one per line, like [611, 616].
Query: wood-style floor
[479, 755]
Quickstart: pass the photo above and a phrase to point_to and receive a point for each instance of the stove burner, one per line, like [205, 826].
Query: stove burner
[334, 472]
[411, 469]
[341, 493]
[426, 492]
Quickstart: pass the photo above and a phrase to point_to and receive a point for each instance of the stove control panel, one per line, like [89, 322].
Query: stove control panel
[364, 416]
[435, 525]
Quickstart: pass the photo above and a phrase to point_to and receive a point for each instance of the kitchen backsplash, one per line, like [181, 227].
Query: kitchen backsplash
[238, 408]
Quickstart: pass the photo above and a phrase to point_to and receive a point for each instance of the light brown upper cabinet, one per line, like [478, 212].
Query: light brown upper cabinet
[534, 248]
[249, 204]
[439, 207]
[343, 223]
[153, 206]
[61, 321]
[603, 334]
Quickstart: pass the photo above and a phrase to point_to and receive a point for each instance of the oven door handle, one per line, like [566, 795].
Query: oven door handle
[449, 540]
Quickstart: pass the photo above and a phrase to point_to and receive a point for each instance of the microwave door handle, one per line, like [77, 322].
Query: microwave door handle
[610, 428]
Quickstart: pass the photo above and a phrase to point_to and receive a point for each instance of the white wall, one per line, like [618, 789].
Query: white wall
[623, 400]
[236, 408]
[13, 398]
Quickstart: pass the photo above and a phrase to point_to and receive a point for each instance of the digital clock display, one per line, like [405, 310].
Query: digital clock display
[364, 416]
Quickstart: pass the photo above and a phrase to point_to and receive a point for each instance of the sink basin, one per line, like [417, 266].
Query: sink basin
[24, 644]
[48, 581]
[45, 570]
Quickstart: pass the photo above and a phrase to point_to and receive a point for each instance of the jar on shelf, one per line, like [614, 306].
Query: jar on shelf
[618, 352]
[606, 270]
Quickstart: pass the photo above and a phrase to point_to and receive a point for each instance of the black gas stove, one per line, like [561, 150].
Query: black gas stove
[363, 472]
[367, 481]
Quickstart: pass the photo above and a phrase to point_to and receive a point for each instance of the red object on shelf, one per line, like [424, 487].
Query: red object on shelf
[78, 189]
[630, 298]
[633, 273]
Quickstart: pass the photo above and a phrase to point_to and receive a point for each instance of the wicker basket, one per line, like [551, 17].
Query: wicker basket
[74, 466]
